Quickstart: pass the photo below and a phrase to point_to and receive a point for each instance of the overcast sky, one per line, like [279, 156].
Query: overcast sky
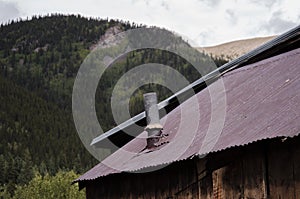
[204, 22]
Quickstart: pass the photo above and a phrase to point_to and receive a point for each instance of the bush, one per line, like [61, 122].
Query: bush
[48, 187]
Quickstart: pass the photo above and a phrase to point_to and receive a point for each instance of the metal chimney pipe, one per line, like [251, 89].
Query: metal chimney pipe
[152, 115]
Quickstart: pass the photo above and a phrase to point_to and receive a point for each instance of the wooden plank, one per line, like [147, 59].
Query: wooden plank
[188, 186]
[296, 160]
[280, 169]
[206, 187]
[217, 178]
[233, 180]
[254, 174]
[161, 180]
[228, 181]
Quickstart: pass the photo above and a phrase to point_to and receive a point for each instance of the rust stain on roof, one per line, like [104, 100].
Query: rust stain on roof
[262, 102]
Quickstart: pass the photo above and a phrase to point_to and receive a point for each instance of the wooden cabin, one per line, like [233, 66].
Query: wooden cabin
[255, 153]
[266, 169]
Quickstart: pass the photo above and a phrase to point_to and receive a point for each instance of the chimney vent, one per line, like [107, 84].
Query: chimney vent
[152, 115]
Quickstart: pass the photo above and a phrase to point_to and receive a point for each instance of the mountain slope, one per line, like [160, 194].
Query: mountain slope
[36, 136]
[234, 49]
[39, 60]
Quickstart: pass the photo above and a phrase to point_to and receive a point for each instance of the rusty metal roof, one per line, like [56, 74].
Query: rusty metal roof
[262, 102]
[289, 40]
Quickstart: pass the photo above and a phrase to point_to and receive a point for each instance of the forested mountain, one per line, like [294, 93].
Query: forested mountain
[39, 59]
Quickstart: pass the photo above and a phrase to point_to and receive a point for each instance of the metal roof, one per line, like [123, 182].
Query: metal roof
[288, 40]
[262, 102]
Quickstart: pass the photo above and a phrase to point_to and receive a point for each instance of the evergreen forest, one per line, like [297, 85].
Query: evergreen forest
[39, 60]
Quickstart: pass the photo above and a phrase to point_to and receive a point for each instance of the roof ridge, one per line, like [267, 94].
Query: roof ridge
[274, 59]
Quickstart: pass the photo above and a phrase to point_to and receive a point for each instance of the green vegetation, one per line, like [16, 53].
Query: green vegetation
[39, 59]
[36, 135]
[48, 187]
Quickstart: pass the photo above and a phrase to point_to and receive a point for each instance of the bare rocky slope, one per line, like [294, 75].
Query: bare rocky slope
[233, 49]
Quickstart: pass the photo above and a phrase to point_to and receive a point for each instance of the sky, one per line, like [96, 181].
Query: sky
[201, 22]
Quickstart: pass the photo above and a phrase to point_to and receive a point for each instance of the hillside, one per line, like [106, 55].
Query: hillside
[39, 60]
[234, 49]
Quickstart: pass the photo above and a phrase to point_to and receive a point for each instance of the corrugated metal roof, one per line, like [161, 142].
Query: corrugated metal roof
[262, 102]
[287, 41]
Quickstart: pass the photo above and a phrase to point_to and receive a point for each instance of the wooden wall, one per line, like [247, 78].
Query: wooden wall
[242, 177]
[174, 181]
[266, 169]
[284, 169]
